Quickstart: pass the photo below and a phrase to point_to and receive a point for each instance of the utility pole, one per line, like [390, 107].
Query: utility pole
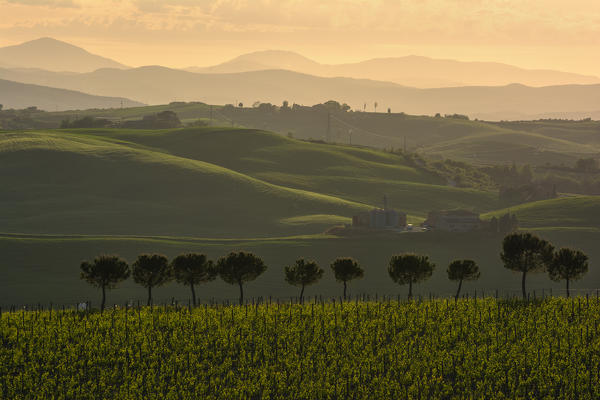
[350, 134]
[210, 113]
[328, 127]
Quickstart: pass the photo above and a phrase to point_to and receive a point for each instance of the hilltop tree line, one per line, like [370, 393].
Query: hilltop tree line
[521, 252]
[161, 120]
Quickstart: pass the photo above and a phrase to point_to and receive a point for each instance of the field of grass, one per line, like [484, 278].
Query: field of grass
[386, 349]
[565, 212]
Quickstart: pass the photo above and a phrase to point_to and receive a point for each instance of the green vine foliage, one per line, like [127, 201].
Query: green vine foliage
[436, 349]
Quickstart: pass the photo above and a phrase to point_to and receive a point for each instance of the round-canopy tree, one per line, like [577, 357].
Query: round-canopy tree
[192, 269]
[105, 272]
[345, 270]
[238, 268]
[151, 270]
[525, 253]
[410, 268]
[462, 270]
[568, 264]
[303, 273]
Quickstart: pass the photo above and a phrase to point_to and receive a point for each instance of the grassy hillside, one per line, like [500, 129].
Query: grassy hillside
[357, 174]
[565, 212]
[507, 146]
[74, 183]
[531, 142]
[584, 131]
[212, 182]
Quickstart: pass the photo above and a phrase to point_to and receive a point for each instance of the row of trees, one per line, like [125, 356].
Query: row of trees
[522, 252]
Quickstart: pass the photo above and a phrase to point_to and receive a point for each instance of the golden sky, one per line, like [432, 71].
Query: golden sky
[553, 34]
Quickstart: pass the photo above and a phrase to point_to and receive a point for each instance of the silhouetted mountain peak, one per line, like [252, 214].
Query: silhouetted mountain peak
[54, 55]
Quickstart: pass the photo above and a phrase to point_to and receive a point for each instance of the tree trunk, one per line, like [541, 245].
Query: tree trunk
[149, 295]
[193, 294]
[458, 291]
[410, 290]
[302, 294]
[241, 293]
[103, 298]
[344, 290]
[523, 285]
[568, 294]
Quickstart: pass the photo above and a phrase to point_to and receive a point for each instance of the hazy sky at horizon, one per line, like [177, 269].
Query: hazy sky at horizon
[552, 34]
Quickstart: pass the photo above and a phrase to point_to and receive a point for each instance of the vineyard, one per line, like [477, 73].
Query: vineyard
[383, 349]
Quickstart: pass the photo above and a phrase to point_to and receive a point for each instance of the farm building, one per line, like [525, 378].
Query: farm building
[453, 221]
[379, 218]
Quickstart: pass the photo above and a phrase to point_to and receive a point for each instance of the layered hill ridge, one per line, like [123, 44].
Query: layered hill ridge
[160, 85]
[416, 71]
[20, 95]
[412, 84]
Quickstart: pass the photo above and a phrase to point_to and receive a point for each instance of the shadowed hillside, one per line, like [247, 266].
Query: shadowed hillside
[70, 183]
[356, 174]
[205, 182]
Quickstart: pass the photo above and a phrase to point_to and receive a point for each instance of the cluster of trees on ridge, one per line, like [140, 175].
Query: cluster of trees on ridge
[161, 120]
[521, 252]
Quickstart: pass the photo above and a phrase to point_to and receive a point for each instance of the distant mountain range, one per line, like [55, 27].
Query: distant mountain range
[413, 71]
[248, 79]
[19, 95]
[158, 85]
[53, 55]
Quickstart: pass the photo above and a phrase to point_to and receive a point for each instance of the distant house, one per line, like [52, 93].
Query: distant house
[453, 221]
[379, 218]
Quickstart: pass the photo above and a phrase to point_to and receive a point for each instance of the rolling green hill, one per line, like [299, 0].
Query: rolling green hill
[479, 142]
[70, 183]
[576, 212]
[508, 145]
[356, 174]
[211, 182]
